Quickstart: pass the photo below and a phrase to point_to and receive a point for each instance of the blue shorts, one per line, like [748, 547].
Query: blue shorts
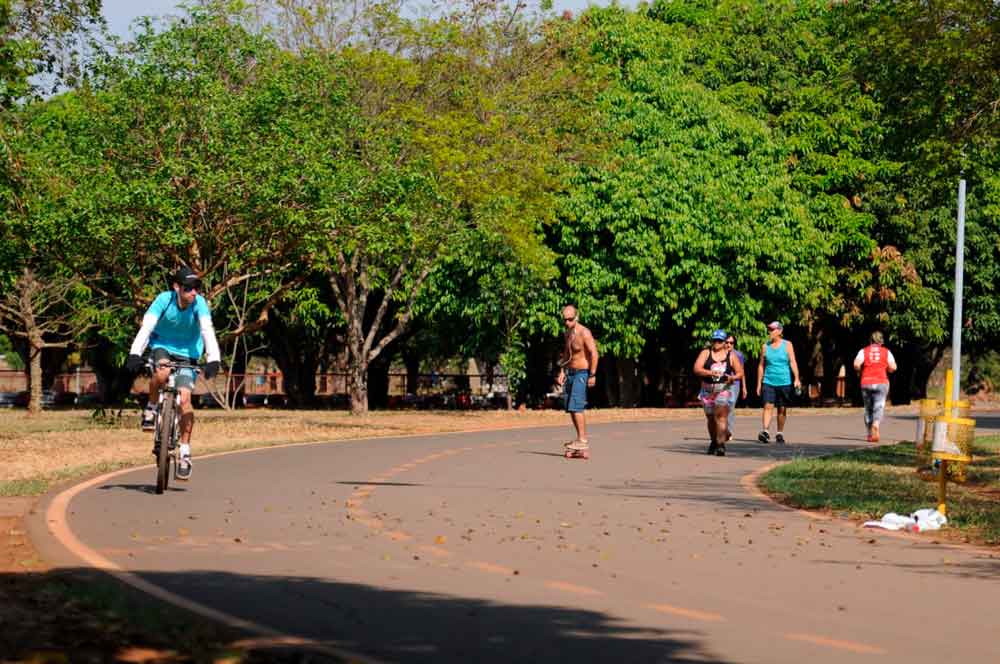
[186, 378]
[779, 395]
[575, 390]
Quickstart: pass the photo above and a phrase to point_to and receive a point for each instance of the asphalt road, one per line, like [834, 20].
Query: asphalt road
[491, 547]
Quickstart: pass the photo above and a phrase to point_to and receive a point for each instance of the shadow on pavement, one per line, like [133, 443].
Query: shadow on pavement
[982, 567]
[370, 483]
[407, 626]
[141, 488]
[753, 450]
[714, 490]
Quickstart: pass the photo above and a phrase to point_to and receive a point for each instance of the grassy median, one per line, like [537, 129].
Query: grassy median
[867, 483]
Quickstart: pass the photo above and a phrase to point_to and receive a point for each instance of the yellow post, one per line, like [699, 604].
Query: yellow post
[943, 487]
[949, 383]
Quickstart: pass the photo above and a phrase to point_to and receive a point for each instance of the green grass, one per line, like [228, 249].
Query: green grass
[867, 483]
[39, 485]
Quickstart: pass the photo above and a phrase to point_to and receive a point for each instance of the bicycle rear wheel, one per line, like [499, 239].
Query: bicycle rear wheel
[164, 435]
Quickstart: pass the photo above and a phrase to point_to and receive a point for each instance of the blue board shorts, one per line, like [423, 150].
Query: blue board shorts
[185, 378]
[575, 390]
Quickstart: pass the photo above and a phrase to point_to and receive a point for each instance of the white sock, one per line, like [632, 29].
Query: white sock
[185, 450]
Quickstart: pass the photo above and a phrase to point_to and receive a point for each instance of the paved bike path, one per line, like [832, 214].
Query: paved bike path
[491, 547]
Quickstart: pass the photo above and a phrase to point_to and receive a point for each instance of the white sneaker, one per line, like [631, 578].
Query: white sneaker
[184, 468]
[149, 418]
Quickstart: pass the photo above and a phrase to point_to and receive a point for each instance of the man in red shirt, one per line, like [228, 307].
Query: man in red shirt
[875, 362]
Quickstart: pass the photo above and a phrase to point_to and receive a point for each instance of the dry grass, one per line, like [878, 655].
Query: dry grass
[53, 446]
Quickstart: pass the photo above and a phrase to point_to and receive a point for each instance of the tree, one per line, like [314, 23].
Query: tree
[45, 39]
[46, 312]
[460, 136]
[501, 298]
[183, 151]
[693, 222]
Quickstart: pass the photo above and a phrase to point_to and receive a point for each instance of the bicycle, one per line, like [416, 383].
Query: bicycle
[167, 430]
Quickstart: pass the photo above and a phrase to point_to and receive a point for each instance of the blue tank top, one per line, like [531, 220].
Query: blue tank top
[777, 369]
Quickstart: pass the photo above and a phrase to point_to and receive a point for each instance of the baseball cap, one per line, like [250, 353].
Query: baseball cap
[719, 335]
[775, 325]
[185, 276]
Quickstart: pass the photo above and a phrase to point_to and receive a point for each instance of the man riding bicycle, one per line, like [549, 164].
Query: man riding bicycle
[177, 327]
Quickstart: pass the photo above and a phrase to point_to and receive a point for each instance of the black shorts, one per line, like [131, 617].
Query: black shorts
[779, 395]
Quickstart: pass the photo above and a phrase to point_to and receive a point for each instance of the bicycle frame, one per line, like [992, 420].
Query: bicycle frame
[167, 429]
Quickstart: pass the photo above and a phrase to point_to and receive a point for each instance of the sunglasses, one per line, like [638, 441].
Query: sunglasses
[188, 289]
[568, 320]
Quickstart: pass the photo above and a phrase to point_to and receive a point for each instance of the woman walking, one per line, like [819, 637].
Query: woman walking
[777, 373]
[875, 362]
[718, 368]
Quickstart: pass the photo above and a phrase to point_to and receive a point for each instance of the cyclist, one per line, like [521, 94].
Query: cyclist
[177, 327]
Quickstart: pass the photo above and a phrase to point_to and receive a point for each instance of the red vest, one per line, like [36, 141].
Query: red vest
[874, 371]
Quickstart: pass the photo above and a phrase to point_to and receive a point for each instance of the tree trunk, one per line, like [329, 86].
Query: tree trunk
[297, 358]
[114, 382]
[628, 383]
[358, 385]
[35, 380]
[378, 382]
[237, 379]
[412, 362]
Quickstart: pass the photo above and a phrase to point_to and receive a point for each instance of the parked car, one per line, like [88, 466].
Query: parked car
[65, 399]
[8, 399]
[207, 400]
[254, 400]
[22, 398]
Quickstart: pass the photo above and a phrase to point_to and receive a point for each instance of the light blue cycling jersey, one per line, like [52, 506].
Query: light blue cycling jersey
[178, 331]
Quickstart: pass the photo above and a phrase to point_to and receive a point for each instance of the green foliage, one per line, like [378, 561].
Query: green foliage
[45, 39]
[10, 356]
[693, 223]
[933, 69]
[185, 150]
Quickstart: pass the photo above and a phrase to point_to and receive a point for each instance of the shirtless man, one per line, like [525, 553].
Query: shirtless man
[577, 372]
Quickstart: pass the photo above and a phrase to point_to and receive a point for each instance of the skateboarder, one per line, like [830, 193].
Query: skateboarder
[577, 372]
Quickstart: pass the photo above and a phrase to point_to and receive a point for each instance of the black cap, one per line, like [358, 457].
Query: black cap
[185, 276]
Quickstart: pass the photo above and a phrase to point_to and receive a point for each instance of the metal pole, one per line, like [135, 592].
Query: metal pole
[956, 323]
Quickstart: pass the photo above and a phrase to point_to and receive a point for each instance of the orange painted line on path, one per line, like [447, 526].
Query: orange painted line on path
[58, 526]
[398, 536]
[572, 588]
[435, 551]
[850, 646]
[490, 567]
[693, 614]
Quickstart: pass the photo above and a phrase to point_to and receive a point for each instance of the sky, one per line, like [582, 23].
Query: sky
[121, 13]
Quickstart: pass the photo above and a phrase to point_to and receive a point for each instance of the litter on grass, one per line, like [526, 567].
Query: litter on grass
[919, 521]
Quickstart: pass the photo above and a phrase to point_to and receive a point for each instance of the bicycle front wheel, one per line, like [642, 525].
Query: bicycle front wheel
[164, 435]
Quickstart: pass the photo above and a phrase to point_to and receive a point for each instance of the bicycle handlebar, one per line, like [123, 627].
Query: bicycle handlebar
[153, 365]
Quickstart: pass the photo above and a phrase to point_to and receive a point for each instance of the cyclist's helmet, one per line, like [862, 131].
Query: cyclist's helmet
[185, 276]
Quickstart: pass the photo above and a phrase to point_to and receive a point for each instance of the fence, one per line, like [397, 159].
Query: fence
[266, 383]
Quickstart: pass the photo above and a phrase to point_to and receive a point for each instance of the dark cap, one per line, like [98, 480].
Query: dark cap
[185, 276]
